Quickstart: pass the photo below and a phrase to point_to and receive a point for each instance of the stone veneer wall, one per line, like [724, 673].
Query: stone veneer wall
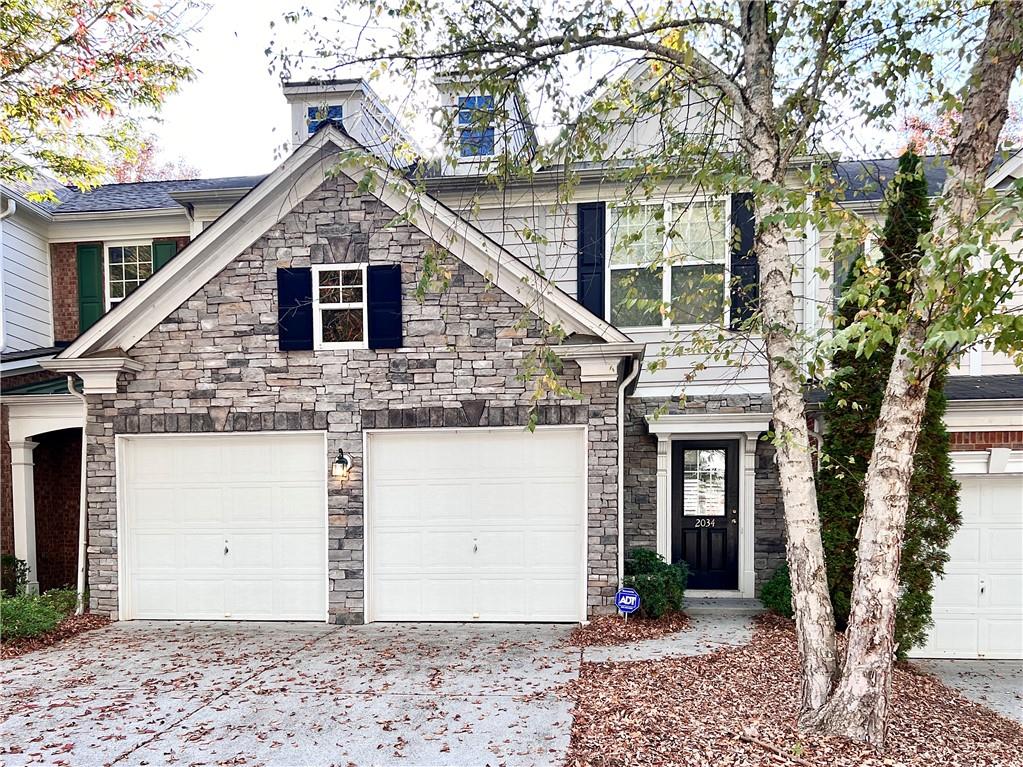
[641, 477]
[214, 365]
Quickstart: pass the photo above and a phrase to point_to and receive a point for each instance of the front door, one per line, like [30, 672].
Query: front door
[705, 512]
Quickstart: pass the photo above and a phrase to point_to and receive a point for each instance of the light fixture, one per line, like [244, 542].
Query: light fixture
[342, 465]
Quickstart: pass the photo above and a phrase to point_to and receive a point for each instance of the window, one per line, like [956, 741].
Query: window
[845, 254]
[128, 266]
[316, 116]
[339, 306]
[476, 112]
[668, 255]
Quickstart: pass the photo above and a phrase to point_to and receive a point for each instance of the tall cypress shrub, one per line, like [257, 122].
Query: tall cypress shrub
[851, 409]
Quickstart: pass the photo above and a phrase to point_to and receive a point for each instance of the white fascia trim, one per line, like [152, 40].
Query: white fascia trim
[599, 362]
[296, 178]
[1011, 167]
[984, 415]
[998, 460]
[709, 423]
[98, 374]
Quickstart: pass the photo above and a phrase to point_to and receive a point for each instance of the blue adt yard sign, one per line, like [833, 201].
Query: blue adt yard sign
[627, 600]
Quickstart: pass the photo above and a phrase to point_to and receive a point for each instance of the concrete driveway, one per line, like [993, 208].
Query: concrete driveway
[997, 684]
[291, 694]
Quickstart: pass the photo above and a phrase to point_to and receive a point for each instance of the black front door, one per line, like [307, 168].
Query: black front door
[705, 512]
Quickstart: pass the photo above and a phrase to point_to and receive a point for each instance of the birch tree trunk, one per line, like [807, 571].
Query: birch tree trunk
[859, 706]
[815, 622]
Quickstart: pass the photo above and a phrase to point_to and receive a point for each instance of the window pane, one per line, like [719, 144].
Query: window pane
[115, 255]
[340, 325]
[131, 271]
[117, 290]
[703, 490]
[145, 253]
[476, 143]
[145, 269]
[330, 295]
[330, 278]
[699, 234]
[351, 295]
[116, 273]
[351, 277]
[637, 236]
[697, 294]
[636, 296]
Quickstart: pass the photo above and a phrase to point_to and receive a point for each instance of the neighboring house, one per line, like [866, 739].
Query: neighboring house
[280, 424]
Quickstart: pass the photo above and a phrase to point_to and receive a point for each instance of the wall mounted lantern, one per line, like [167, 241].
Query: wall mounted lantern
[342, 465]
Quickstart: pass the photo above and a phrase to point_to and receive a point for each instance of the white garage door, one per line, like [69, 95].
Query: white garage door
[224, 527]
[978, 605]
[477, 524]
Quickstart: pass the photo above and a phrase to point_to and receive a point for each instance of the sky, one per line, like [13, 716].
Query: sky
[235, 94]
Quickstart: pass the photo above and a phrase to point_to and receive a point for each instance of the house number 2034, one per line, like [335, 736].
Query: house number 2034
[706, 523]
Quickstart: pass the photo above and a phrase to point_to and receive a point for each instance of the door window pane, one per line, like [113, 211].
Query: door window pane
[703, 488]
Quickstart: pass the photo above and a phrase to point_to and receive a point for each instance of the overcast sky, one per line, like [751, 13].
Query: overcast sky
[233, 119]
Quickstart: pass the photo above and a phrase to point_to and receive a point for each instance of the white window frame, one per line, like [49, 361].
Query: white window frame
[108, 300]
[318, 343]
[666, 323]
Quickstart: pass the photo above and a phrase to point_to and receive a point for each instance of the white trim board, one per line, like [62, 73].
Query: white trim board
[297, 177]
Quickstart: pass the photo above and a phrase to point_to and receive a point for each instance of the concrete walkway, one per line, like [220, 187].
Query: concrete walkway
[291, 694]
[997, 684]
[715, 624]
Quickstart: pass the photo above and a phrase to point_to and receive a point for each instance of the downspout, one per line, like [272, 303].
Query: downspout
[636, 366]
[82, 505]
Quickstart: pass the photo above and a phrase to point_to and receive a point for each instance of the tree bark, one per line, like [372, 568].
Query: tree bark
[815, 622]
[859, 706]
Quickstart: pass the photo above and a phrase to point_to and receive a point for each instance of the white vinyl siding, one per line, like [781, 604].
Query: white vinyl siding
[25, 266]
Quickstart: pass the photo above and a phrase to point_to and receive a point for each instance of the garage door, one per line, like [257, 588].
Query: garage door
[978, 605]
[476, 524]
[224, 527]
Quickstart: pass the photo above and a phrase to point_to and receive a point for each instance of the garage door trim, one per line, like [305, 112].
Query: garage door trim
[124, 607]
[367, 437]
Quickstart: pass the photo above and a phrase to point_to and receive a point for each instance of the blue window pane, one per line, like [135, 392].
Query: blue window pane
[477, 143]
[316, 116]
[467, 105]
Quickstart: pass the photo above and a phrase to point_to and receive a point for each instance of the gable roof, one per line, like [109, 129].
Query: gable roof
[297, 177]
[147, 195]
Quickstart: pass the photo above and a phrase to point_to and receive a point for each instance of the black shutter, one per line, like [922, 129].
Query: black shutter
[383, 294]
[745, 271]
[295, 308]
[591, 227]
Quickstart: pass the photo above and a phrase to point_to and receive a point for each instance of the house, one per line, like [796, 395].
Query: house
[283, 420]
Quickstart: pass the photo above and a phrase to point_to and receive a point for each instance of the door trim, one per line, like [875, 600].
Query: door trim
[124, 608]
[751, 428]
[367, 509]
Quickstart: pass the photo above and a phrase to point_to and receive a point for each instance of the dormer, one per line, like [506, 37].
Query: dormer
[482, 125]
[354, 107]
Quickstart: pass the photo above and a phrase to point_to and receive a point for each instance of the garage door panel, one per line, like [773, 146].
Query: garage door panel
[1004, 546]
[964, 550]
[978, 604]
[1004, 636]
[212, 537]
[463, 533]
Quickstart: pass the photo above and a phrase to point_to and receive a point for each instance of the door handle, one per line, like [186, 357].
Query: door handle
[225, 547]
[475, 547]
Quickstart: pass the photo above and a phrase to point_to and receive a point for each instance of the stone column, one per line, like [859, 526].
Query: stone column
[23, 492]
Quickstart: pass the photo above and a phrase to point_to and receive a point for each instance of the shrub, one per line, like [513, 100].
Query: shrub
[776, 593]
[661, 586]
[13, 574]
[27, 615]
[64, 601]
[851, 410]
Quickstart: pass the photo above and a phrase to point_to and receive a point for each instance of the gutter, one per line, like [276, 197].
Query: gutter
[636, 367]
[83, 507]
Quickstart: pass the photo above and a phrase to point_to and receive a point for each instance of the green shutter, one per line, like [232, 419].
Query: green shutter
[163, 252]
[91, 303]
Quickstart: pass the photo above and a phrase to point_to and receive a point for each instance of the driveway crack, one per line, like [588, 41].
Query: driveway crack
[206, 703]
